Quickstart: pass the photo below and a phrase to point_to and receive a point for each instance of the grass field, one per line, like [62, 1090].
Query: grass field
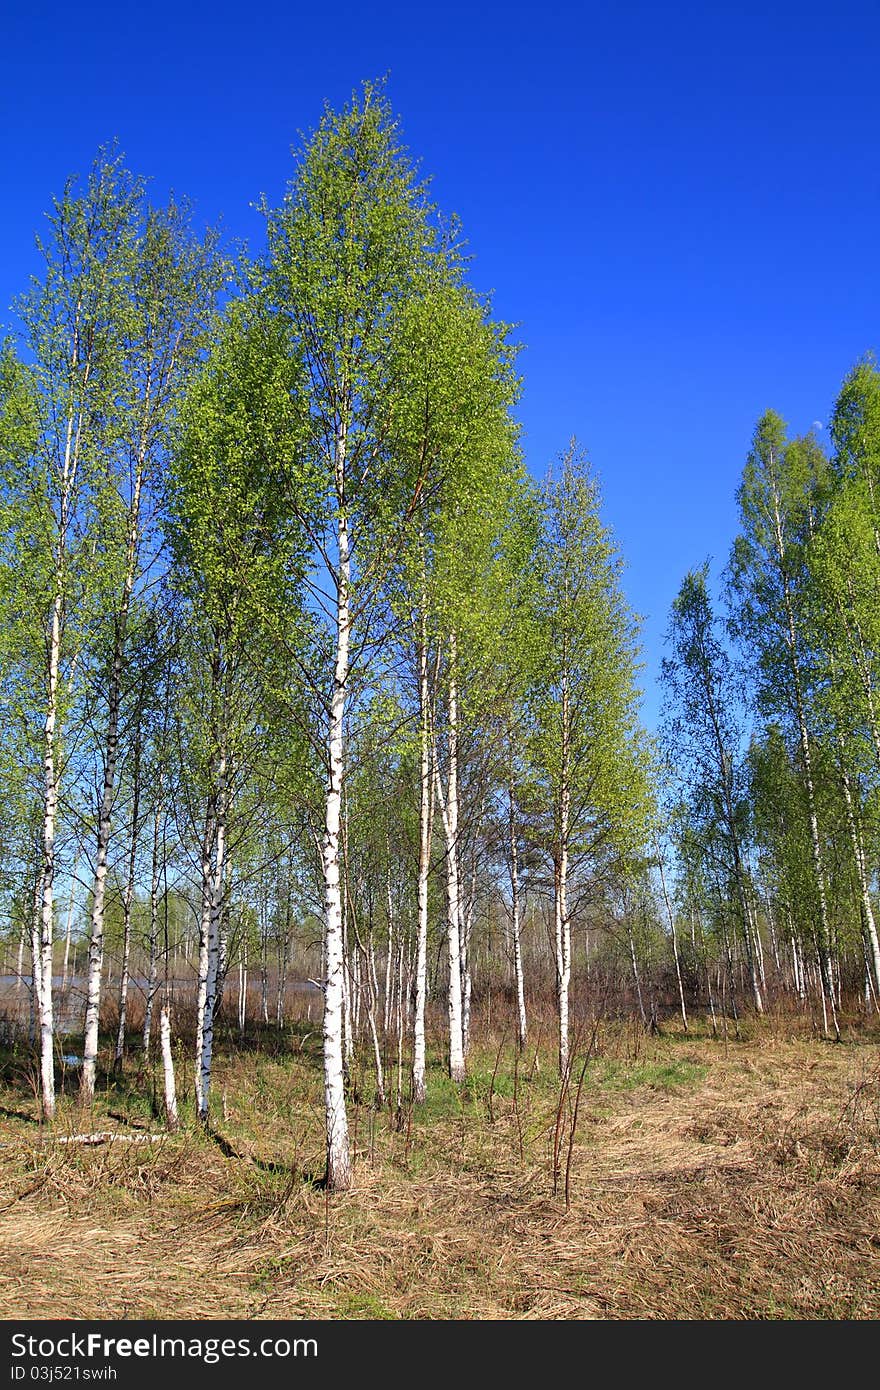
[697, 1179]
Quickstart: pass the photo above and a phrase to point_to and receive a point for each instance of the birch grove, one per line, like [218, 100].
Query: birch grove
[320, 715]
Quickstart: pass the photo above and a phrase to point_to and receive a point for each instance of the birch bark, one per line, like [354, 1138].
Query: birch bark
[516, 932]
[449, 813]
[204, 946]
[50, 811]
[127, 900]
[426, 803]
[215, 913]
[562, 921]
[171, 1120]
[338, 1154]
[153, 967]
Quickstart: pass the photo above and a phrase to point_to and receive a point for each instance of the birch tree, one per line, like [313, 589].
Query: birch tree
[590, 761]
[703, 740]
[71, 319]
[778, 500]
[347, 250]
[169, 280]
[238, 561]
[454, 421]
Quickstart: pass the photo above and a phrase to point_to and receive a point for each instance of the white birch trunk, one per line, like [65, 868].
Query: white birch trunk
[282, 974]
[204, 951]
[264, 964]
[212, 976]
[124, 978]
[43, 993]
[757, 943]
[562, 933]
[516, 932]
[371, 1020]
[774, 936]
[153, 975]
[562, 924]
[449, 812]
[242, 987]
[338, 1154]
[797, 966]
[36, 960]
[387, 1000]
[389, 910]
[126, 920]
[168, 1069]
[466, 974]
[400, 1025]
[50, 811]
[426, 803]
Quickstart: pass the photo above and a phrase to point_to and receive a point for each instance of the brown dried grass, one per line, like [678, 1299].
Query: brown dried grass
[748, 1189]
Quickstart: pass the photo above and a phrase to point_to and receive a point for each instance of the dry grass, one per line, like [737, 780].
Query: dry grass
[706, 1181]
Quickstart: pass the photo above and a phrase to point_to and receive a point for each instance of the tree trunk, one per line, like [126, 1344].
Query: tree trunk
[111, 757]
[671, 916]
[153, 975]
[369, 965]
[36, 961]
[96, 938]
[338, 1154]
[516, 932]
[449, 812]
[426, 805]
[126, 918]
[400, 1026]
[168, 1069]
[264, 962]
[822, 932]
[213, 974]
[731, 978]
[282, 971]
[562, 923]
[466, 973]
[242, 986]
[204, 946]
[636, 976]
[869, 926]
[50, 811]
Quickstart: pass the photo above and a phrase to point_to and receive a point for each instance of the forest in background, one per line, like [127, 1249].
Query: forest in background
[307, 682]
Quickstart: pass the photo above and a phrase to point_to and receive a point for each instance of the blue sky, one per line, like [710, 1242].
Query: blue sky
[678, 205]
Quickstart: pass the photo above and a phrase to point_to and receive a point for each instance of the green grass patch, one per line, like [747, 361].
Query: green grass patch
[665, 1076]
[364, 1306]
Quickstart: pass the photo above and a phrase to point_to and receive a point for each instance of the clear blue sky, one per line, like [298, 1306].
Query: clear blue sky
[678, 204]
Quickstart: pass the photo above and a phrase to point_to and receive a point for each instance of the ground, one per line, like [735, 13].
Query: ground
[706, 1179]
